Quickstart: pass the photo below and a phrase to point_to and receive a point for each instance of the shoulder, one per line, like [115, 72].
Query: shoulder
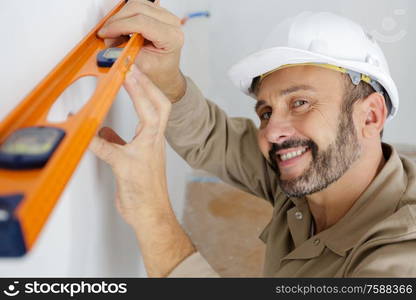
[387, 250]
[407, 155]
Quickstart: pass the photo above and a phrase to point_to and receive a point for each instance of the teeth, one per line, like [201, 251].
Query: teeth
[292, 154]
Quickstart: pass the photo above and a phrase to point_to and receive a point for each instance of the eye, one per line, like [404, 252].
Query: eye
[265, 116]
[299, 103]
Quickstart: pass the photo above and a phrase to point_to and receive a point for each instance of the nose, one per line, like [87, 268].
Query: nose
[277, 130]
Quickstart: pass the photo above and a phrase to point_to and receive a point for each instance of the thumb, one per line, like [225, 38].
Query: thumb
[106, 147]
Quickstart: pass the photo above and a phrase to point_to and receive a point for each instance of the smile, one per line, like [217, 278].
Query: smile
[293, 154]
[289, 157]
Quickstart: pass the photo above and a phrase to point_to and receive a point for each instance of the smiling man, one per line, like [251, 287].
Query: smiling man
[344, 202]
[308, 134]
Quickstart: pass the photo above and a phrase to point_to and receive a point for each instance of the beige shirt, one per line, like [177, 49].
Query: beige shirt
[376, 238]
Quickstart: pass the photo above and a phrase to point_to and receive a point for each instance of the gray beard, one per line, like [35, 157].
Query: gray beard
[326, 166]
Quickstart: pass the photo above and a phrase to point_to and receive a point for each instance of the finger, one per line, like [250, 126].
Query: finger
[143, 106]
[115, 41]
[147, 8]
[150, 129]
[104, 150]
[111, 136]
[154, 95]
[163, 36]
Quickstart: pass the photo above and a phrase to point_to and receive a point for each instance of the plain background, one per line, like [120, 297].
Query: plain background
[84, 235]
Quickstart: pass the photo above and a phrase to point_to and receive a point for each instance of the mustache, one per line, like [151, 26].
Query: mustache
[293, 143]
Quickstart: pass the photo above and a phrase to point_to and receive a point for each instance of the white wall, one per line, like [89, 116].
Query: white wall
[85, 236]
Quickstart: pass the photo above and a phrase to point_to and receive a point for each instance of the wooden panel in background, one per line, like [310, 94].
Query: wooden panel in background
[224, 224]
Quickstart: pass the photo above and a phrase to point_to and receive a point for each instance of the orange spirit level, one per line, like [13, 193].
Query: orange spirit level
[38, 157]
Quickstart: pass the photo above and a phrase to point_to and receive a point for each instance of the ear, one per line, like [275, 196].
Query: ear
[374, 114]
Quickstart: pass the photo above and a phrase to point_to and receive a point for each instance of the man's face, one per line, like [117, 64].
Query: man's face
[305, 134]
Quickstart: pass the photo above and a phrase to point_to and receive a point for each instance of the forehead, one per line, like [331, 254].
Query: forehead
[312, 79]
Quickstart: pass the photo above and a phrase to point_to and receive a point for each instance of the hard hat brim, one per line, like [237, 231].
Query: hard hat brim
[261, 62]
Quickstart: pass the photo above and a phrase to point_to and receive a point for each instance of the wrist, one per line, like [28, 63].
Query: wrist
[164, 245]
[150, 215]
[141, 203]
[176, 88]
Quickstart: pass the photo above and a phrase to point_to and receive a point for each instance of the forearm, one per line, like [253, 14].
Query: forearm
[162, 241]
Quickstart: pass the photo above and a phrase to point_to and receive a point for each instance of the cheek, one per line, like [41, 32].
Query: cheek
[319, 129]
[264, 145]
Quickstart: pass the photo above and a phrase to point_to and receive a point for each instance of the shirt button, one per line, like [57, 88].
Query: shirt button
[298, 215]
[316, 242]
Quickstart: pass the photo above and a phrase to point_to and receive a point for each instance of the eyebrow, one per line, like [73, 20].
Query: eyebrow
[259, 104]
[293, 89]
[290, 90]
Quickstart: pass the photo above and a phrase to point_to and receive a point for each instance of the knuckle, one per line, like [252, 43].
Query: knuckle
[177, 21]
[171, 17]
[180, 36]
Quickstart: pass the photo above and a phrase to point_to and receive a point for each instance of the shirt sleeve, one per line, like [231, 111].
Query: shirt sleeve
[391, 260]
[194, 266]
[202, 134]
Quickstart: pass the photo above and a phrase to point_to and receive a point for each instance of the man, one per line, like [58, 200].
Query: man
[344, 203]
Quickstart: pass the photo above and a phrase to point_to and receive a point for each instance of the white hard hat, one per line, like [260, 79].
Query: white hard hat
[319, 38]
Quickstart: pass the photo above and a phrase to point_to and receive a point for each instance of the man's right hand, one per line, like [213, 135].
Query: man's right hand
[160, 55]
